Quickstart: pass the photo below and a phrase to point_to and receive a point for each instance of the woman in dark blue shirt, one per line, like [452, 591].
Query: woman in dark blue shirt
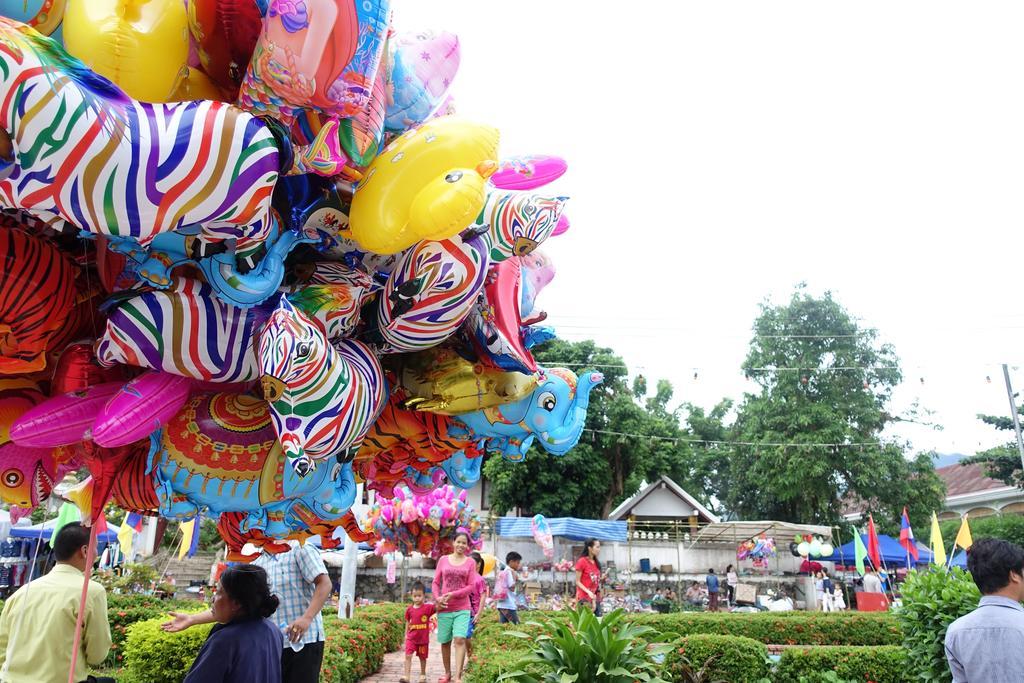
[244, 646]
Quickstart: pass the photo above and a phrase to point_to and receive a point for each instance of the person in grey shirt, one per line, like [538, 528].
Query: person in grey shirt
[872, 584]
[987, 645]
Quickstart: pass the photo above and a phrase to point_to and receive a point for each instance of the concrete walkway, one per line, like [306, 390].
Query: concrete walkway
[394, 667]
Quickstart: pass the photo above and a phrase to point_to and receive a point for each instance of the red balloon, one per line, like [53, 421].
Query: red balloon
[225, 34]
[110, 266]
[77, 369]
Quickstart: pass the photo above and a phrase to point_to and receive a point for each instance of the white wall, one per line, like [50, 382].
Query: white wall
[685, 560]
[662, 502]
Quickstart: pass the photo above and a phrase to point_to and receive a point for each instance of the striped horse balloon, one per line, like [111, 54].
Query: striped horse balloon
[518, 222]
[73, 146]
[428, 295]
[323, 398]
[186, 331]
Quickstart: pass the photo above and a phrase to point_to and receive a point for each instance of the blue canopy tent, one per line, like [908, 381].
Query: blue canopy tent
[959, 560]
[892, 553]
[45, 530]
[564, 527]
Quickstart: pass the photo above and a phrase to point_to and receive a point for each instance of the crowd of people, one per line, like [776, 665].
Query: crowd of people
[268, 625]
[267, 615]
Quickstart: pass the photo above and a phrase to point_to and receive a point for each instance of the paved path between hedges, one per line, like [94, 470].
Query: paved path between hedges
[394, 667]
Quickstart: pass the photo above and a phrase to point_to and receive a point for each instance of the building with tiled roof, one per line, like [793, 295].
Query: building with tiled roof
[969, 490]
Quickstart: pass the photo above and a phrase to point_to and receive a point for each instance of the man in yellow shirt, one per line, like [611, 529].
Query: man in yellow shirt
[37, 626]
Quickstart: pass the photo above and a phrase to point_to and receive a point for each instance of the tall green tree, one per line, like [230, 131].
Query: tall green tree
[629, 437]
[825, 385]
[1001, 462]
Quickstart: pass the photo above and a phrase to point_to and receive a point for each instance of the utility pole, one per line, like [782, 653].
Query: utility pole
[1013, 414]
[349, 568]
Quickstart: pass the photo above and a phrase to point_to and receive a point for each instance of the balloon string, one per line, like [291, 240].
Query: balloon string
[76, 643]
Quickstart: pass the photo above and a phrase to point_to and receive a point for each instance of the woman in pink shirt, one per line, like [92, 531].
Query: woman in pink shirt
[454, 580]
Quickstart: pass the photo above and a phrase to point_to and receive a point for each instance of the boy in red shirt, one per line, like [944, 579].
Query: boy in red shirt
[417, 632]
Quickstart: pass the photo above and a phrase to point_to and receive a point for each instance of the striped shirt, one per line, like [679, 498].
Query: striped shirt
[291, 576]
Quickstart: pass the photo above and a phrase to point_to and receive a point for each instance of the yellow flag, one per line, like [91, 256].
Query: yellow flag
[937, 546]
[187, 530]
[963, 537]
[125, 536]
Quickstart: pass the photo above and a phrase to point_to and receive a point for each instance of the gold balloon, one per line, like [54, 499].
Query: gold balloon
[441, 381]
[141, 45]
[194, 85]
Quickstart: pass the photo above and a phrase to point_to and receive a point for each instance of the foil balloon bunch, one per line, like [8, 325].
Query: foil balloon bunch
[425, 523]
[259, 264]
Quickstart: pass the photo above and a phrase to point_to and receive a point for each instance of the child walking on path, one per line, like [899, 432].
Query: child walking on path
[417, 632]
[504, 589]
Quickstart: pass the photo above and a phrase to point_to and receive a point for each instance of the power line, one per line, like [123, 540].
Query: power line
[766, 444]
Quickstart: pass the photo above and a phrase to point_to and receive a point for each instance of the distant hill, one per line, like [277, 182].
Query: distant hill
[944, 459]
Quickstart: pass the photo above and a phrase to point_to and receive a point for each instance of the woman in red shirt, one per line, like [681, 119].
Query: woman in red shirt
[588, 576]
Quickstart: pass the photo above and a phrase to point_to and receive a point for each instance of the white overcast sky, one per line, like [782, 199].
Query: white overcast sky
[721, 152]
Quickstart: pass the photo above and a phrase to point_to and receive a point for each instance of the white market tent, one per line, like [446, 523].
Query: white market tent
[731, 533]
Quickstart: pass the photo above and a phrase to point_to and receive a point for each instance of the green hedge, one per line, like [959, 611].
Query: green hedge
[154, 656]
[125, 610]
[784, 628]
[735, 658]
[353, 649]
[879, 664]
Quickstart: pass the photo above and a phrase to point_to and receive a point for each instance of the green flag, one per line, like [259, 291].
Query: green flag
[68, 513]
[859, 551]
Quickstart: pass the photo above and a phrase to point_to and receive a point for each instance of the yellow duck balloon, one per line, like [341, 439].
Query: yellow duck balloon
[429, 184]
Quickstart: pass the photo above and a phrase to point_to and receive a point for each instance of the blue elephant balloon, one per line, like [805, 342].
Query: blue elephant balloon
[554, 414]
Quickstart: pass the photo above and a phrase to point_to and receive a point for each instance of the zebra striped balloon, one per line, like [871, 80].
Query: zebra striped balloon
[323, 399]
[86, 152]
[188, 331]
[429, 294]
[518, 222]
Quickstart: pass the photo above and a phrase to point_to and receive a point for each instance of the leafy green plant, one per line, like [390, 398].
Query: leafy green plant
[135, 578]
[706, 657]
[932, 600]
[685, 671]
[838, 664]
[592, 649]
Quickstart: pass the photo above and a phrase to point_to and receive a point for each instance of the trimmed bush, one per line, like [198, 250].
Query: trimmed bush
[879, 664]
[784, 628]
[735, 658]
[353, 649]
[154, 656]
[125, 610]
[932, 600]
